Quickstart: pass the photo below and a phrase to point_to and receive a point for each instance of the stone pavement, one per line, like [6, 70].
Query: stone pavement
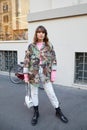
[15, 116]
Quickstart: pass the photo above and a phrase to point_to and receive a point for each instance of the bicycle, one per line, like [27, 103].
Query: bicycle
[16, 74]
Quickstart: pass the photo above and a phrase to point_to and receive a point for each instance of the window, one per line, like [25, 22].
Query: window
[5, 7]
[5, 19]
[7, 59]
[80, 68]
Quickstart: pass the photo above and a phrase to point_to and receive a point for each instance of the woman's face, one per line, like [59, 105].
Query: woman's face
[40, 35]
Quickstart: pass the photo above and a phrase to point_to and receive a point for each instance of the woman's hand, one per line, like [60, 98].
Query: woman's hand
[53, 75]
[26, 78]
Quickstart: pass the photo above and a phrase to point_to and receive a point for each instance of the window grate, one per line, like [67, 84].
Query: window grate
[7, 59]
[80, 68]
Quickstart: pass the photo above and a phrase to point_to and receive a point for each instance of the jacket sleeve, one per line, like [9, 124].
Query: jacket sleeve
[54, 60]
[26, 61]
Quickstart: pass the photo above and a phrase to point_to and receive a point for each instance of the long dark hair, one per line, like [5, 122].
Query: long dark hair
[42, 29]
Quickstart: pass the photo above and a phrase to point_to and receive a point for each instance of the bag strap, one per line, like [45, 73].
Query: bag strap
[28, 89]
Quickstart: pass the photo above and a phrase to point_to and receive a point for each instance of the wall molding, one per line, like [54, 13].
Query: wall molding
[64, 12]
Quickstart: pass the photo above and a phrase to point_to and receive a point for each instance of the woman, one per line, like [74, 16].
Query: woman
[40, 65]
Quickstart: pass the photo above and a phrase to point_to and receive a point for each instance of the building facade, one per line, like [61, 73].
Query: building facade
[66, 22]
[5, 19]
[13, 19]
[13, 31]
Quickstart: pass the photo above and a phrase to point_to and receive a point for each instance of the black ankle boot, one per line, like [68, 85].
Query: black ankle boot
[61, 115]
[35, 116]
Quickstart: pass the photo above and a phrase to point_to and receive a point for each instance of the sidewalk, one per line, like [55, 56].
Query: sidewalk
[15, 116]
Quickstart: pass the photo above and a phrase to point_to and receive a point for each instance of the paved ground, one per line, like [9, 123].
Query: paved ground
[15, 116]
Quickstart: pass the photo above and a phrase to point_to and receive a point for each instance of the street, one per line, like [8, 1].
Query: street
[14, 115]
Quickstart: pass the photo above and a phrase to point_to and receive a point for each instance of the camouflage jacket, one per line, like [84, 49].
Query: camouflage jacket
[32, 62]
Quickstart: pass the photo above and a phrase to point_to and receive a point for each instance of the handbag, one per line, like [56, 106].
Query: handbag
[28, 99]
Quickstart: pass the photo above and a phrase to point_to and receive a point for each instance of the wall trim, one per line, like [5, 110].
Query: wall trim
[70, 11]
[14, 41]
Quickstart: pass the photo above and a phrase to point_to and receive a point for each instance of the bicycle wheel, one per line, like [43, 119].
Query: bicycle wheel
[15, 74]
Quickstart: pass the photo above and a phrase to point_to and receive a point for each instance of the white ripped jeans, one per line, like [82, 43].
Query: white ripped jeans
[48, 89]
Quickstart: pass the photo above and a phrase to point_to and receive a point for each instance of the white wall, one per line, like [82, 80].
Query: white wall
[19, 46]
[63, 3]
[83, 1]
[42, 5]
[39, 5]
[68, 36]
